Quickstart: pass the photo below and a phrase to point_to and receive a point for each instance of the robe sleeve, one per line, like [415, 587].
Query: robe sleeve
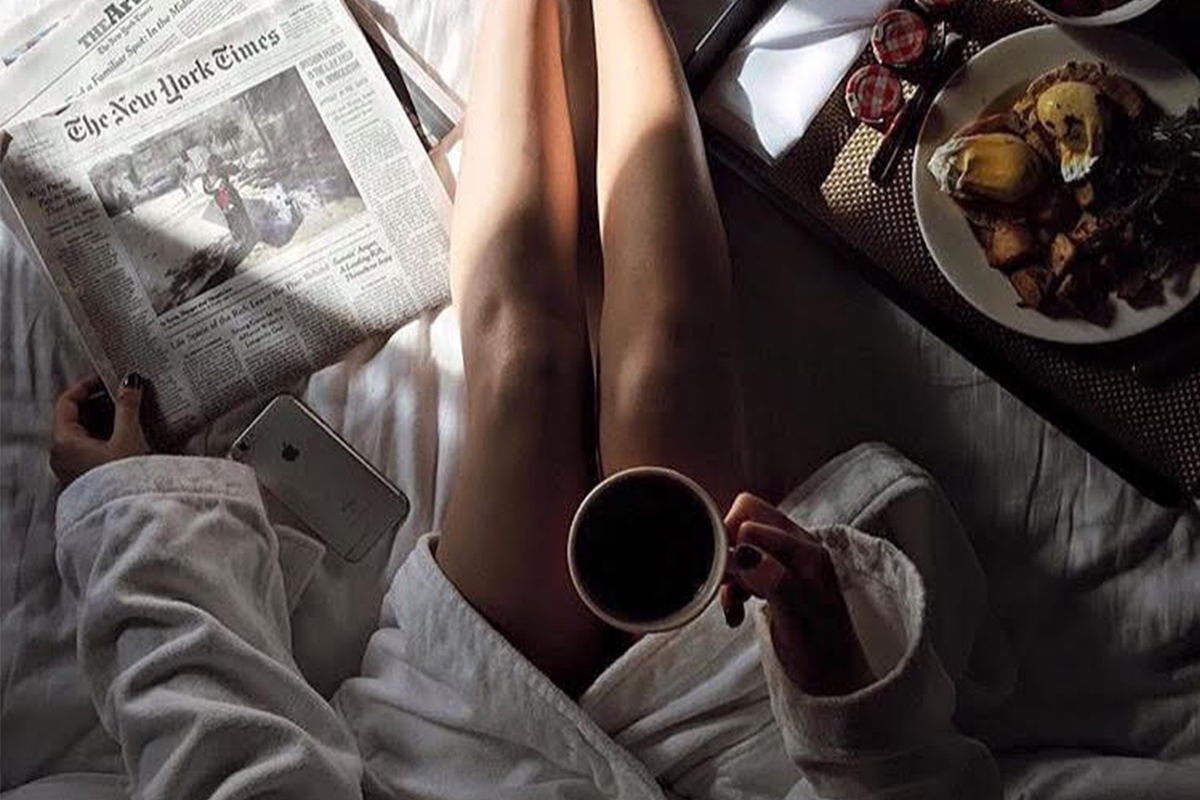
[896, 737]
[184, 635]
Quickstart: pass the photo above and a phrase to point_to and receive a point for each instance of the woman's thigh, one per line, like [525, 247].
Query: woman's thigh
[527, 461]
[529, 446]
[669, 382]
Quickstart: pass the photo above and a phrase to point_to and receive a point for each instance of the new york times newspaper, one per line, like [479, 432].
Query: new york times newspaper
[68, 48]
[238, 214]
[101, 40]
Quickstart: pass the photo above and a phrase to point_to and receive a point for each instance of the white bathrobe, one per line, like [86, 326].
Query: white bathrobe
[184, 591]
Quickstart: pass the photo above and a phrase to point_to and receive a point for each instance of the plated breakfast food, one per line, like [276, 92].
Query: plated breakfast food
[993, 81]
[1082, 192]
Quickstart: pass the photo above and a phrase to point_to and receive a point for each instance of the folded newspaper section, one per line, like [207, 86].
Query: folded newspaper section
[235, 215]
[103, 40]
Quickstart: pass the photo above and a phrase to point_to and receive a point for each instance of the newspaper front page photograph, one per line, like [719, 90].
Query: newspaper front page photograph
[237, 215]
[235, 187]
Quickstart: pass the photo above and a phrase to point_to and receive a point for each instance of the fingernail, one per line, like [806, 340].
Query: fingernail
[133, 381]
[746, 556]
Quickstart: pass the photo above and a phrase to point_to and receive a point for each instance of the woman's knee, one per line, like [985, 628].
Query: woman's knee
[521, 362]
[661, 374]
[671, 403]
[516, 259]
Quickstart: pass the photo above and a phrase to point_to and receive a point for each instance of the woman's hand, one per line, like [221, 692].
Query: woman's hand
[74, 451]
[776, 560]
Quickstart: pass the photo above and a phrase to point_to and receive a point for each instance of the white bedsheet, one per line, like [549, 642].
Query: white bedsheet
[1098, 588]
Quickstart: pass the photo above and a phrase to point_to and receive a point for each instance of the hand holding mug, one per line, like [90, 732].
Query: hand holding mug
[776, 560]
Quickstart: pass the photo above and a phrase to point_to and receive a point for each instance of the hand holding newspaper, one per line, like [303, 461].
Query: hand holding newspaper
[235, 214]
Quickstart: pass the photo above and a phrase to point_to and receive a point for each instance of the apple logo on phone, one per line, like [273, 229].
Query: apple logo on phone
[289, 453]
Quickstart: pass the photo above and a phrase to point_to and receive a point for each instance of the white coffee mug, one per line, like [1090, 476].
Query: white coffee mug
[716, 568]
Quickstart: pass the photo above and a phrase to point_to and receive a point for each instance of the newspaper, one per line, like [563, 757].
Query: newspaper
[101, 40]
[236, 215]
[433, 97]
[435, 109]
[81, 45]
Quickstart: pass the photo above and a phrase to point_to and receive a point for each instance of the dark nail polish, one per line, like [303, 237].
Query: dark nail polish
[746, 557]
[133, 381]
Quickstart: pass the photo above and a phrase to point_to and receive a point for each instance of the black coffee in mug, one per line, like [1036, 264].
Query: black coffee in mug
[643, 548]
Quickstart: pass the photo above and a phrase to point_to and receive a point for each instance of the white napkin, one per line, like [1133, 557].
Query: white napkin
[775, 82]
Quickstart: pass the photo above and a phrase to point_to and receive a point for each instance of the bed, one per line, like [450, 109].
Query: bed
[1097, 588]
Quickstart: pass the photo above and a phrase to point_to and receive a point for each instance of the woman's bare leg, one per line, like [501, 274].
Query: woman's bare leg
[670, 391]
[579, 62]
[529, 447]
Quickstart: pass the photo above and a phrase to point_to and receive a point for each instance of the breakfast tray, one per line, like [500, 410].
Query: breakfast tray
[1149, 435]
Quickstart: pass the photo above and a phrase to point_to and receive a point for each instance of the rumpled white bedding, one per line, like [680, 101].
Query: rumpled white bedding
[1097, 588]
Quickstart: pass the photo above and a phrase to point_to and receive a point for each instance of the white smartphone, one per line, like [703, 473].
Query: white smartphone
[320, 478]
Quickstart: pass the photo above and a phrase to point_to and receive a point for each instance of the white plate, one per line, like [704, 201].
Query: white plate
[1001, 70]
[1134, 8]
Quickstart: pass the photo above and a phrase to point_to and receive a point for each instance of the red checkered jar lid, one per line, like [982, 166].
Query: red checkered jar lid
[874, 94]
[899, 38]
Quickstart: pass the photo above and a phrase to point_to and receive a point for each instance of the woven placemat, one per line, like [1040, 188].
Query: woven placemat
[1152, 436]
